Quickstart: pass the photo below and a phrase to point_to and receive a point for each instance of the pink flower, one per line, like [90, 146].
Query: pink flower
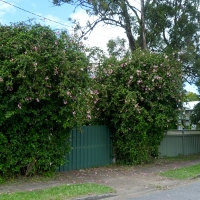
[19, 106]
[65, 102]
[56, 70]
[122, 65]
[82, 69]
[57, 32]
[96, 101]
[140, 81]
[168, 74]
[89, 117]
[37, 100]
[157, 77]
[138, 72]
[74, 113]
[110, 71]
[131, 77]
[68, 93]
[166, 56]
[25, 52]
[1, 79]
[56, 43]
[35, 64]
[46, 78]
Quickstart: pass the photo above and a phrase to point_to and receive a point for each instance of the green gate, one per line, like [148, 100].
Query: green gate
[91, 147]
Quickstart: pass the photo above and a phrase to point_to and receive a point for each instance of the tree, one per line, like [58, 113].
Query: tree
[190, 96]
[114, 12]
[43, 81]
[169, 26]
[195, 116]
[173, 26]
[117, 48]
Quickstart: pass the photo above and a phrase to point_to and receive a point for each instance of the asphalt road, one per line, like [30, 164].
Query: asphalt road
[186, 192]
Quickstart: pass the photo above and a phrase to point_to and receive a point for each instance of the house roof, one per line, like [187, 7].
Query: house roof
[190, 105]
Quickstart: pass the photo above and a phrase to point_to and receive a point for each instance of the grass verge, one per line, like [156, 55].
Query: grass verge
[59, 193]
[183, 173]
[179, 158]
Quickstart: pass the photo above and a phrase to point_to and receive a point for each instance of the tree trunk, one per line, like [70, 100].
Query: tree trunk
[143, 35]
[129, 34]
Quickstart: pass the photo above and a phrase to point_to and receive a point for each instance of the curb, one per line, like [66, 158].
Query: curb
[96, 197]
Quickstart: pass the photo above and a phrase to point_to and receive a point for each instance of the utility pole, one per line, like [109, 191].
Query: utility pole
[144, 43]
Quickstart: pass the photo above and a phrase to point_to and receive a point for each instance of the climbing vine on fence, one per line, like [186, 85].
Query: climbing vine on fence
[43, 82]
[138, 98]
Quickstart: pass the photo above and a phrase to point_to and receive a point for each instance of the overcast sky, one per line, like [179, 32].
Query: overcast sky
[99, 37]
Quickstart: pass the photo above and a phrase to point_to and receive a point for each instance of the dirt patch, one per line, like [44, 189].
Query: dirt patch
[126, 180]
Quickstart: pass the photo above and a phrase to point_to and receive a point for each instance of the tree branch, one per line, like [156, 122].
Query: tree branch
[165, 39]
[134, 9]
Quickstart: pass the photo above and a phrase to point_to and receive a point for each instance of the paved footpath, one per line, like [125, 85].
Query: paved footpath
[187, 192]
[130, 182]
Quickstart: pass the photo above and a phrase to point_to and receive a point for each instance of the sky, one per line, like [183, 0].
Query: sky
[45, 8]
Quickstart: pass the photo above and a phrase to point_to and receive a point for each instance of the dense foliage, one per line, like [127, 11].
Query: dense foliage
[195, 116]
[190, 96]
[43, 79]
[138, 98]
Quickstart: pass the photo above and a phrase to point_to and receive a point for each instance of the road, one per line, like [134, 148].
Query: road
[186, 192]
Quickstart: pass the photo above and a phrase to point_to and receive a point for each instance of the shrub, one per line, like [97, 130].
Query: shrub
[138, 99]
[43, 79]
[195, 116]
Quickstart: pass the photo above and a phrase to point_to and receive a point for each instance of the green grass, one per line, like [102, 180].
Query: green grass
[183, 173]
[59, 192]
[180, 158]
